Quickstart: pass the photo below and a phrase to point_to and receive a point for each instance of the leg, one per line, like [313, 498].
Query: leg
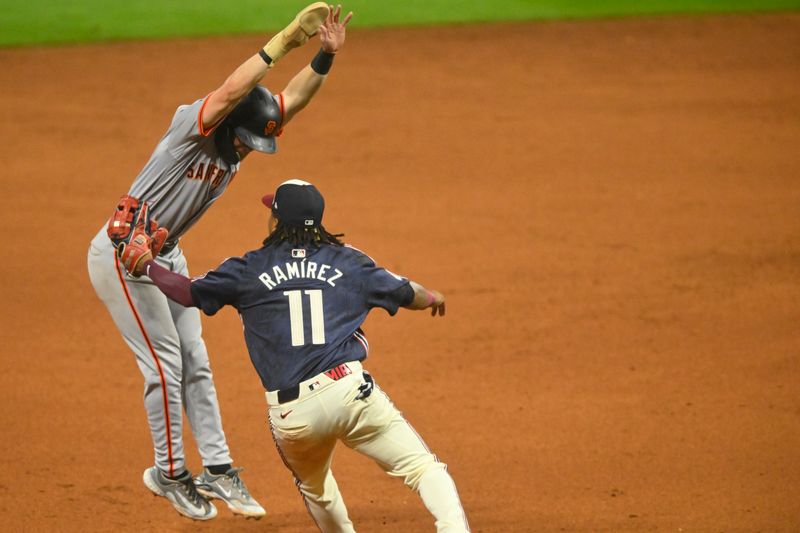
[141, 314]
[380, 432]
[202, 408]
[306, 446]
[199, 393]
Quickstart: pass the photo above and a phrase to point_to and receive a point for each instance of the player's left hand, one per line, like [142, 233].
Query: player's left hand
[332, 32]
[437, 306]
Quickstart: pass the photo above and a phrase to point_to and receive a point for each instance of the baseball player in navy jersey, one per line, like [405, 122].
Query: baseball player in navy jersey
[302, 298]
[192, 165]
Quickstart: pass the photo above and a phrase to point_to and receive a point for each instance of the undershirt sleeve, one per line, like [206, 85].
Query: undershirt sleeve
[176, 287]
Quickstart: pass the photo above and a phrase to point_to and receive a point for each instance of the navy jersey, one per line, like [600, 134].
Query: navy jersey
[302, 308]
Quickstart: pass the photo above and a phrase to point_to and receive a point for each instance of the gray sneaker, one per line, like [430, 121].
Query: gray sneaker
[230, 488]
[181, 492]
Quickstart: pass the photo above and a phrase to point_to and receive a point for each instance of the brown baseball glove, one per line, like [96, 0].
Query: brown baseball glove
[129, 212]
[136, 250]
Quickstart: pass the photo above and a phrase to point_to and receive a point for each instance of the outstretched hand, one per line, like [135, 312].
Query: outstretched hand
[332, 31]
[437, 306]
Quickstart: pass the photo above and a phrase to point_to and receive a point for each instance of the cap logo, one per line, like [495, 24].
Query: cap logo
[309, 222]
[270, 127]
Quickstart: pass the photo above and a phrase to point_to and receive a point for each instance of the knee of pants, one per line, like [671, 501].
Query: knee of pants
[317, 494]
[413, 472]
[153, 378]
[316, 489]
[195, 356]
[153, 383]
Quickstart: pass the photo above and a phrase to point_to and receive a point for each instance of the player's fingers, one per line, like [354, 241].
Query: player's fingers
[347, 18]
[441, 310]
[323, 32]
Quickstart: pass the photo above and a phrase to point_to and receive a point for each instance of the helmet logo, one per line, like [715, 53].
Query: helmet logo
[270, 127]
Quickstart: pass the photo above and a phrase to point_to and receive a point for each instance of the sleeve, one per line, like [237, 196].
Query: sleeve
[382, 288]
[220, 287]
[186, 126]
[405, 295]
[176, 287]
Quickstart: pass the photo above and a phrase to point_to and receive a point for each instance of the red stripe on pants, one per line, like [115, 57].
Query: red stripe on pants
[155, 358]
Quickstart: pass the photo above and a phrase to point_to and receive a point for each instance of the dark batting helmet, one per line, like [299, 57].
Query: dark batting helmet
[256, 120]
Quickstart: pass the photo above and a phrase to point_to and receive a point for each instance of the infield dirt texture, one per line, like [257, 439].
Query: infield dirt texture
[610, 207]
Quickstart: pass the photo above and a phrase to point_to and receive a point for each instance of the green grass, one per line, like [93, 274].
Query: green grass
[27, 22]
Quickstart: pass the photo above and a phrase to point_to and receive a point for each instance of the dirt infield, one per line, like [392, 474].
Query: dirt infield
[610, 207]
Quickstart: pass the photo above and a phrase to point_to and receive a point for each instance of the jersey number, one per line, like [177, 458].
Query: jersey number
[296, 316]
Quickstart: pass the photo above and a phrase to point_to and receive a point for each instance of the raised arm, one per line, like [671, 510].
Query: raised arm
[302, 88]
[224, 99]
[247, 75]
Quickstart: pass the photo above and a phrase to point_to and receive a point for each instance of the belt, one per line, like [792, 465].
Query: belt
[314, 384]
[168, 247]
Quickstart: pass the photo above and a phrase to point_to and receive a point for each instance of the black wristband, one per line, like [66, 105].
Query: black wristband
[321, 64]
[265, 57]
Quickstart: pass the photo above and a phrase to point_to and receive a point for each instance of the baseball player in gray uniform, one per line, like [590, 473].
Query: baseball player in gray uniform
[192, 165]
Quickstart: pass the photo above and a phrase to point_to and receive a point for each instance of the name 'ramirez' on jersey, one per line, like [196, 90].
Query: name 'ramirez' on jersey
[302, 308]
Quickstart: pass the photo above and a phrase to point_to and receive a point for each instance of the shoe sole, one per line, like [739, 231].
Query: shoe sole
[156, 490]
[258, 515]
[312, 17]
[306, 24]
[150, 484]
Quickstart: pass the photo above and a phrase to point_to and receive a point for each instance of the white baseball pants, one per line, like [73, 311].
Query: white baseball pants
[307, 429]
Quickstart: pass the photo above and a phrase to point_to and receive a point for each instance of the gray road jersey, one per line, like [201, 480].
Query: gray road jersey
[185, 174]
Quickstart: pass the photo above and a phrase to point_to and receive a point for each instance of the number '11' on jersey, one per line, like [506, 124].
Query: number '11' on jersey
[296, 316]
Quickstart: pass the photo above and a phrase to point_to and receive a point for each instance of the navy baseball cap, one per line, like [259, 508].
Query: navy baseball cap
[296, 203]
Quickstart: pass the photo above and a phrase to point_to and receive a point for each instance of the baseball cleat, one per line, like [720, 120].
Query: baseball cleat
[229, 488]
[181, 493]
[297, 33]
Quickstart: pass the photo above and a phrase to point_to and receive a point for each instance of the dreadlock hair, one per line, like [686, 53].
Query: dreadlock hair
[300, 236]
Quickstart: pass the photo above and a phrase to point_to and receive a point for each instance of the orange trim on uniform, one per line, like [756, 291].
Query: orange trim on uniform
[282, 107]
[155, 358]
[203, 132]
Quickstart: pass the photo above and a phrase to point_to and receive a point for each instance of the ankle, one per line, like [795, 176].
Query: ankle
[174, 476]
[218, 470]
